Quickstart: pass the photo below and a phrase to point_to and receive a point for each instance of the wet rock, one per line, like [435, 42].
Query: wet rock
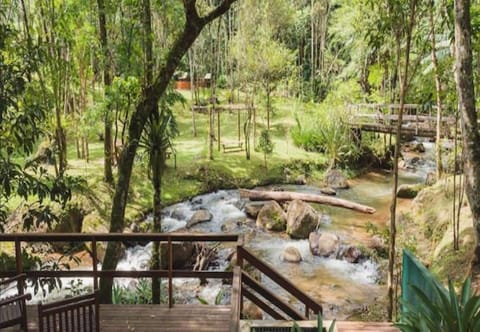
[377, 244]
[198, 217]
[253, 208]
[272, 217]
[178, 214]
[302, 219]
[409, 190]
[351, 254]
[229, 226]
[328, 191]
[323, 244]
[301, 180]
[419, 147]
[182, 254]
[336, 180]
[292, 255]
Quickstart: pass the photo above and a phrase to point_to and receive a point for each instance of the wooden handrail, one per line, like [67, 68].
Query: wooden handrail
[65, 237]
[244, 254]
[262, 305]
[170, 273]
[272, 298]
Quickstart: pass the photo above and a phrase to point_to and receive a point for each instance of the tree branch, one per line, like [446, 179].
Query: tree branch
[220, 10]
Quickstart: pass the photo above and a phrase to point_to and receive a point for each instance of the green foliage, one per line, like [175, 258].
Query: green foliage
[451, 313]
[326, 130]
[320, 328]
[141, 294]
[23, 109]
[265, 144]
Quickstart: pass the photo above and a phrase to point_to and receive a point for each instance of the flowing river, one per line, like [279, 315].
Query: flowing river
[343, 288]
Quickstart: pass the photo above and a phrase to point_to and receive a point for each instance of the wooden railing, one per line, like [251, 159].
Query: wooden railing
[250, 289]
[243, 285]
[170, 273]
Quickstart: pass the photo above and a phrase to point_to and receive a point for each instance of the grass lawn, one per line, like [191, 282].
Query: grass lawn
[194, 172]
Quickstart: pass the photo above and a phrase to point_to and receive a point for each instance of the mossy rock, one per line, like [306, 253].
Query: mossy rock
[409, 191]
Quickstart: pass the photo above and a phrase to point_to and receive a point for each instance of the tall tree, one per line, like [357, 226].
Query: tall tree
[408, 32]
[438, 87]
[107, 80]
[466, 106]
[194, 23]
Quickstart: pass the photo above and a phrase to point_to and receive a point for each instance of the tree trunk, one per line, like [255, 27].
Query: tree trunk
[258, 195]
[466, 106]
[393, 207]
[107, 80]
[193, 26]
[438, 86]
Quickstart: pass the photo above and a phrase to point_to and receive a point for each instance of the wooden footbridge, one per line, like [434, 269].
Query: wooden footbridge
[383, 118]
[177, 317]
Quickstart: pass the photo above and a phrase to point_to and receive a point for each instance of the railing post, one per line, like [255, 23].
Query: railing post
[94, 263]
[240, 243]
[307, 311]
[19, 264]
[170, 272]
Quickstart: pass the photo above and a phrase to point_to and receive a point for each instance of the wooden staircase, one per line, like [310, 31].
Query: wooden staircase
[245, 286]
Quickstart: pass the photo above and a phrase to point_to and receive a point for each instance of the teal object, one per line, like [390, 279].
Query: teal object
[415, 273]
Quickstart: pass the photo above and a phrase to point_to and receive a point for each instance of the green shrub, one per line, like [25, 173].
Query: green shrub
[451, 313]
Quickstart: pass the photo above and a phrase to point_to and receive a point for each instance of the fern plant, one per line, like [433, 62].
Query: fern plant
[451, 313]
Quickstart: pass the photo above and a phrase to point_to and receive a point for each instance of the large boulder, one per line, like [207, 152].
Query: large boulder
[323, 244]
[182, 254]
[198, 217]
[292, 255]
[302, 219]
[272, 217]
[409, 190]
[253, 208]
[336, 180]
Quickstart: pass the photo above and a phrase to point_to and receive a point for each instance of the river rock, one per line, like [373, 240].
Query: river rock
[302, 219]
[408, 190]
[182, 254]
[253, 208]
[178, 214]
[419, 147]
[230, 225]
[301, 179]
[351, 254]
[272, 217]
[336, 180]
[323, 244]
[328, 191]
[198, 217]
[292, 255]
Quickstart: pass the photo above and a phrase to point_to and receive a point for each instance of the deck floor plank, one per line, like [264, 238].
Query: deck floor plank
[149, 318]
[182, 318]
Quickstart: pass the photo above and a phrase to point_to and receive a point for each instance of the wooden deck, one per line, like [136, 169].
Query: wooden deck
[149, 318]
[340, 326]
[185, 318]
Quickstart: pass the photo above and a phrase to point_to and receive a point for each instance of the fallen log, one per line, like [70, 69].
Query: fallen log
[259, 195]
